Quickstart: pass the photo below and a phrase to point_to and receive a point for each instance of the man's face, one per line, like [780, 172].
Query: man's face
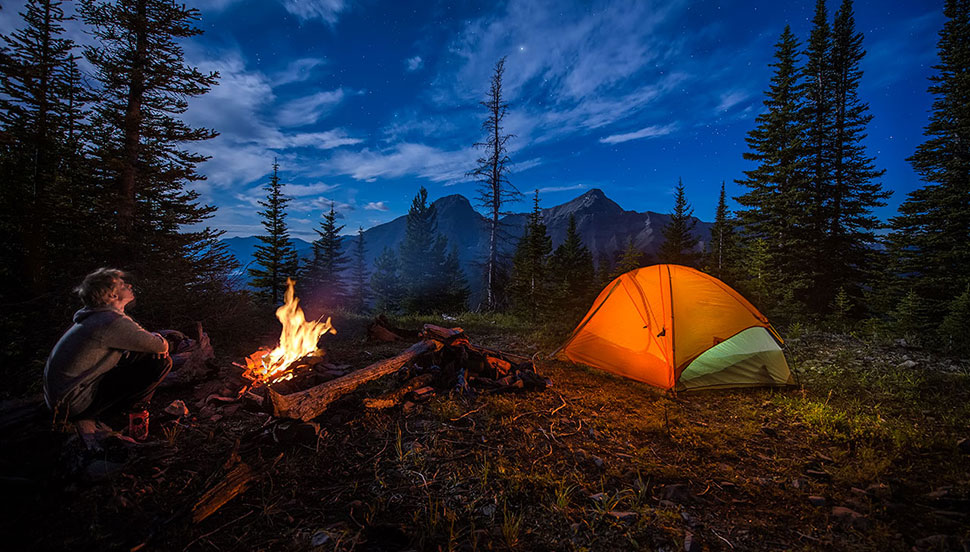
[122, 293]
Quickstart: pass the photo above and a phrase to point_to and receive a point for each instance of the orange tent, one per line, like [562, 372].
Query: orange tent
[673, 326]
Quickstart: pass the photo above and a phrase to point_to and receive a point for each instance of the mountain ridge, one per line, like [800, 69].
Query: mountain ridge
[603, 224]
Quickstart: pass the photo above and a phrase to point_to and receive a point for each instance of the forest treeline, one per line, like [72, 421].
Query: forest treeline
[97, 170]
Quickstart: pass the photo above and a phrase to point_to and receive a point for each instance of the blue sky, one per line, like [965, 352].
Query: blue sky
[363, 102]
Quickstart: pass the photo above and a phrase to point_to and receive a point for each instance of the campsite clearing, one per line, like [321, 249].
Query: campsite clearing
[865, 454]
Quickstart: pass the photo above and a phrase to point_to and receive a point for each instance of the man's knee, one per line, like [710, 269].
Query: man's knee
[162, 365]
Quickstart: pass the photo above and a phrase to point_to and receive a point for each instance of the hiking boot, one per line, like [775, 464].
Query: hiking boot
[92, 433]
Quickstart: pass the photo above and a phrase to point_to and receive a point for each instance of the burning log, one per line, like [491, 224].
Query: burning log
[308, 404]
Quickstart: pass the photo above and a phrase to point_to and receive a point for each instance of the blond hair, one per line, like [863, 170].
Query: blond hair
[97, 286]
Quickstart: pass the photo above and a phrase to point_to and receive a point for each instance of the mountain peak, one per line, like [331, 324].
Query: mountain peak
[592, 201]
[451, 201]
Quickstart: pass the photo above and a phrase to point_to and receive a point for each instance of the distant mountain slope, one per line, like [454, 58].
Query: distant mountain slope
[604, 226]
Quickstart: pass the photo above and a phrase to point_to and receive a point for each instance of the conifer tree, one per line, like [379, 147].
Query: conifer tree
[679, 241]
[721, 261]
[385, 282]
[143, 151]
[360, 292]
[145, 85]
[851, 194]
[818, 117]
[775, 213]
[528, 288]
[420, 259]
[46, 193]
[571, 273]
[36, 116]
[631, 258]
[954, 326]
[494, 191]
[910, 318]
[275, 256]
[323, 273]
[930, 241]
[604, 270]
[454, 287]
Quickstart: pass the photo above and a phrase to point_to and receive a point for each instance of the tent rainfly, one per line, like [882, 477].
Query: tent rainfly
[674, 327]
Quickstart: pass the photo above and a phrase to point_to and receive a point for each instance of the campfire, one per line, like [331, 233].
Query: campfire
[297, 340]
[299, 383]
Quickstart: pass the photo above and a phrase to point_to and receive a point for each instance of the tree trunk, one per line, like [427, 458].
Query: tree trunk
[132, 128]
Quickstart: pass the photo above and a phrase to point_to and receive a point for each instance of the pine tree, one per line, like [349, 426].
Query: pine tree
[776, 213]
[145, 85]
[910, 318]
[759, 285]
[323, 273]
[419, 258]
[852, 195]
[679, 242]
[494, 191]
[604, 270]
[721, 257]
[954, 326]
[930, 242]
[360, 293]
[385, 282]
[142, 150]
[818, 117]
[46, 193]
[572, 275]
[275, 256]
[528, 288]
[454, 290]
[631, 258]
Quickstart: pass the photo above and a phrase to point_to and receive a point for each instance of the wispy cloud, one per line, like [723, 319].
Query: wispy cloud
[309, 109]
[551, 189]
[303, 190]
[525, 165]
[376, 206]
[308, 205]
[405, 159]
[574, 52]
[248, 139]
[325, 140]
[414, 63]
[731, 99]
[325, 10]
[648, 132]
[298, 70]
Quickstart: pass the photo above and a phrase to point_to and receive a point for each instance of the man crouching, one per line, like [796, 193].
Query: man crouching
[105, 363]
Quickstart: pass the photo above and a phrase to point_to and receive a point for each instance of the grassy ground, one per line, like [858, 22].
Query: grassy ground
[865, 454]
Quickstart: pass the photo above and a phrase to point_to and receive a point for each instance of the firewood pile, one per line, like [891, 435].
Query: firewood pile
[444, 360]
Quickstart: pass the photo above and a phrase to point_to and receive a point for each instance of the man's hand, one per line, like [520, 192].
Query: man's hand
[165, 341]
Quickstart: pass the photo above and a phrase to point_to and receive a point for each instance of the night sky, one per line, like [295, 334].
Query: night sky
[363, 102]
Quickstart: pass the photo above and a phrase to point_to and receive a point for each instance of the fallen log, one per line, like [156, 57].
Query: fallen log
[394, 398]
[235, 482]
[382, 330]
[308, 404]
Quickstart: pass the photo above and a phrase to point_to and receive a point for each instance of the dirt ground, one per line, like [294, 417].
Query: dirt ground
[868, 452]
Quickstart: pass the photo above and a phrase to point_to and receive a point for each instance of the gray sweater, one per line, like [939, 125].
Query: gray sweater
[91, 347]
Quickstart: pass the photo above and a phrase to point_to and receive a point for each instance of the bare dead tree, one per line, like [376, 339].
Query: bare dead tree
[494, 189]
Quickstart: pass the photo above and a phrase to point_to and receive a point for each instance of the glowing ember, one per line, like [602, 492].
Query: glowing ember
[298, 339]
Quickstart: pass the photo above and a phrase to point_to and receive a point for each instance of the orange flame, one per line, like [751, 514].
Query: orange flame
[298, 339]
